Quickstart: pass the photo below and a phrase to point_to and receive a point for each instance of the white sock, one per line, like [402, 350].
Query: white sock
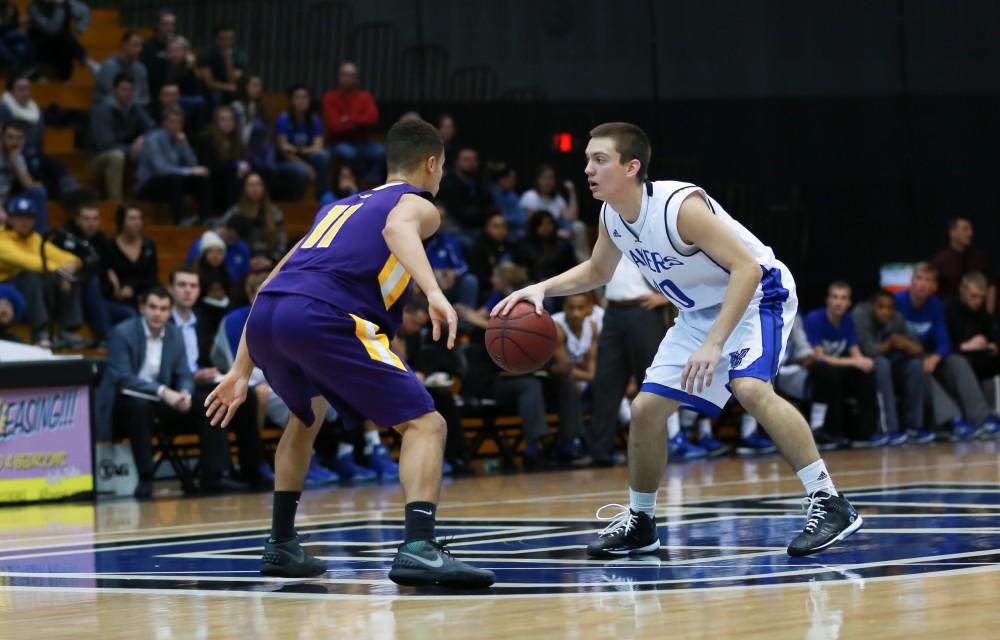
[645, 502]
[688, 418]
[817, 415]
[673, 426]
[815, 478]
[372, 440]
[704, 427]
[748, 425]
[624, 412]
[344, 449]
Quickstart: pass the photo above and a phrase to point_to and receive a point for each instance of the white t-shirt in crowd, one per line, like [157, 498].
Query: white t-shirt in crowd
[532, 201]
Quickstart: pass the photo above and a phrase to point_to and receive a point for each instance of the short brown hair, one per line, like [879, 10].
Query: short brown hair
[631, 143]
[838, 284]
[191, 271]
[975, 279]
[410, 142]
[926, 267]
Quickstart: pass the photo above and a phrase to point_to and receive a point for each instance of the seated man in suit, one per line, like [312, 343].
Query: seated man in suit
[148, 367]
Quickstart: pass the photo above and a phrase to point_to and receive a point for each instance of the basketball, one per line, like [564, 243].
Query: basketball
[522, 341]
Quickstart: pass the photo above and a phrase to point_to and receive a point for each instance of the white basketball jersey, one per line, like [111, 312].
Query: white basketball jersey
[683, 272]
[578, 346]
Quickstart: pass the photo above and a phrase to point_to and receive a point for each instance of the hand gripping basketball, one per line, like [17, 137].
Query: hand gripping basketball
[521, 341]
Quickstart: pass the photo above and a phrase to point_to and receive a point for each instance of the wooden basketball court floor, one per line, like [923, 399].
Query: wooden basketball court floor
[926, 565]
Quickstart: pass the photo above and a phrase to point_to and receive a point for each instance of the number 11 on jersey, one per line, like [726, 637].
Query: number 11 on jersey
[328, 227]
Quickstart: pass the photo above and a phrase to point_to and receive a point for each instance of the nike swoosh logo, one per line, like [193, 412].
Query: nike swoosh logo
[426, 513]
[434, 564]
[366, 196]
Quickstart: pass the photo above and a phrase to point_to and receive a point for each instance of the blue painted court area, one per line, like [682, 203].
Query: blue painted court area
[909, 530]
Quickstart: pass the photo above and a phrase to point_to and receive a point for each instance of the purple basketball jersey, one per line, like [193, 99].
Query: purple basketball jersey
[344, 260]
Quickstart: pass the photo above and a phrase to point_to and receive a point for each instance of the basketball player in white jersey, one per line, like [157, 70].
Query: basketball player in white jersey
[736, 302]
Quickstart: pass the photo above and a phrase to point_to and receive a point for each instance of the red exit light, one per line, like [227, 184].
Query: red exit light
[562, 142]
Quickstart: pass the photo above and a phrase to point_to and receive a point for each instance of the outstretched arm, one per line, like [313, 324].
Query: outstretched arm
[586, 276]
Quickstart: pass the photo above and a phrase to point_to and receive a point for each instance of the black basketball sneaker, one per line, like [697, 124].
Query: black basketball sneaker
[829, 519]
[289, 560]
[424, 562]
[628, 533]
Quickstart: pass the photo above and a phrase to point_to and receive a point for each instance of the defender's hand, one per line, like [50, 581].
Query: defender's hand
[226, 398]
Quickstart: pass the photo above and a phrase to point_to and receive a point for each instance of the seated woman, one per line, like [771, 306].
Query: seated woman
[133, 266]
[300, 140]
[265, 231]
[221, 149]
[547, 253]
[284, 182]
[216, 282]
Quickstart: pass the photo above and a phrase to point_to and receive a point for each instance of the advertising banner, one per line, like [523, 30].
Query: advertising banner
[45, 443]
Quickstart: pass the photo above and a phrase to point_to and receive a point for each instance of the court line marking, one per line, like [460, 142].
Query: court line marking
[810, 571]
[306, 519]
[679, 510]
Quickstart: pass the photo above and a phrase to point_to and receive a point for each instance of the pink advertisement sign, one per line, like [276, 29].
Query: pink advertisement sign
[45, 443]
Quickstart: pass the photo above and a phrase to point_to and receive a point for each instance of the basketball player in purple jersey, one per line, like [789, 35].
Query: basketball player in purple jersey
[320, 330]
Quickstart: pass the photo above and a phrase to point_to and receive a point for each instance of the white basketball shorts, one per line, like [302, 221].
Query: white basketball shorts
[755, 348]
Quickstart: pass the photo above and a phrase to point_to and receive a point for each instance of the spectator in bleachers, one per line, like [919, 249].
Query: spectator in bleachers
[351, 118]
[971, 328]
[548, 253]
[221, 150]
[148, 369]
[198, 334]
[884, 336]
[265, 230]
[16, 179]
[466, 196]
[53, 28]
[447, 129]
[12, 305]
[493, 246]
[950, 375]
[546, 197]
[117, 130]
[435, 366]
[841, 371]
[17, 104]
[502, 188]
[169, 171]
[24, 265]
[960, 258]
[133, 266]
[236, 257]
[175, 67]
[125, 61]
[216, 280]
[285, 180]
[346, 183]
[222, 65]
[155, 48]
[16, 53]
[300, 140]
[83, 237]
[459, 284]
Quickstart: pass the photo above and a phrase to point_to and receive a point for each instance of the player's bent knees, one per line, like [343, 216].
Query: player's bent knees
[429, 425]
[751, 393]
[646, 413]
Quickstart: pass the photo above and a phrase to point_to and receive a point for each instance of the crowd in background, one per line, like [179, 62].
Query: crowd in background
[193, 131]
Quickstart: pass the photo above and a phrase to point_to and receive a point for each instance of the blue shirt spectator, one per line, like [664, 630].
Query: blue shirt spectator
[299, 134]
[926, 321]
[836, 340]
[444, 252]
